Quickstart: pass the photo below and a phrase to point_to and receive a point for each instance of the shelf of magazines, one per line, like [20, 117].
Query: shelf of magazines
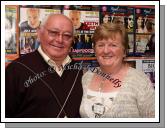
[145, 64]
[139, 58]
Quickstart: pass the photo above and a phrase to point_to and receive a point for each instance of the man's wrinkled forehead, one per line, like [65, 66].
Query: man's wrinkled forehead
[60, 22]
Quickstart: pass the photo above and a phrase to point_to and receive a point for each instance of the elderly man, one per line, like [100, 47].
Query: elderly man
[33, 20]
[75, 17]
[37, 84]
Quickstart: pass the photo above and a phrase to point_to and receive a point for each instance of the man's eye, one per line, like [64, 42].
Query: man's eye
[52, 33]
[67, 36]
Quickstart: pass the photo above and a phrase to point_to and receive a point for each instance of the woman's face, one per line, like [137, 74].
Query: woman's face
[110, 52]
[139, 21]
[105, 19]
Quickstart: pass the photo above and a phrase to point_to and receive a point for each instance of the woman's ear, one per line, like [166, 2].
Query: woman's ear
[125, 53]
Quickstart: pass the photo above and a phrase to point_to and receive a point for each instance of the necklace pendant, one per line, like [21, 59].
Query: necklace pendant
[98, 109]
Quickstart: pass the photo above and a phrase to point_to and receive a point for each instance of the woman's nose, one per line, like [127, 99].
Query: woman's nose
[106, 49]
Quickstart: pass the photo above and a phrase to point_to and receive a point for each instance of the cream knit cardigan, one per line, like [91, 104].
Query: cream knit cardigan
[136, 98]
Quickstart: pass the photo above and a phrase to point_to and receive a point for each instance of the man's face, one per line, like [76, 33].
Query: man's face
[33, 18]
[130, 21]
[75, 17]
[56, 37]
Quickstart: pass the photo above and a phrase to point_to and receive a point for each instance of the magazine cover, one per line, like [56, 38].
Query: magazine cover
[85, 22]
[145, 20]
[113, 14]
[131, 45]
[148, 67]
[81, 7]
[150, 47]
[11, 35]
[129, 20]
[30, 20]
[120, 15]
[57, 7]
[142, 41]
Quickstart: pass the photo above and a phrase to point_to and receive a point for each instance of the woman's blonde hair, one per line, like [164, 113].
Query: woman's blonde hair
[110, 30]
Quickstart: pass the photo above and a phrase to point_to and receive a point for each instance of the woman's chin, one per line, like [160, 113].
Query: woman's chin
[106, 64]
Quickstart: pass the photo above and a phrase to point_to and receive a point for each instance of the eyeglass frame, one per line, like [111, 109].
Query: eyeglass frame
[56, 34]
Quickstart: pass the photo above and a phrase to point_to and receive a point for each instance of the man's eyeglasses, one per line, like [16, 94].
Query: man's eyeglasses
[55, 34]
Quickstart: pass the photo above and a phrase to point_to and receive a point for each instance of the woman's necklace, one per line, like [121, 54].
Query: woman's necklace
[98, 107]
[101, 86]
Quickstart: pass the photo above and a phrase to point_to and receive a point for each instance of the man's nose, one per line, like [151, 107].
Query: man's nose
[59, 38]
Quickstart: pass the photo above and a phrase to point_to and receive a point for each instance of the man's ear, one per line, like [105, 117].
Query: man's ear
[39, 29]
[71, 48]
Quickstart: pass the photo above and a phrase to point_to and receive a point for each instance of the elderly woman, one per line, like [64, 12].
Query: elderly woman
[114, 89]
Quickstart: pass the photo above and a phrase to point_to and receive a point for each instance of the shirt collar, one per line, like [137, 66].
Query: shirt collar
[49, 61]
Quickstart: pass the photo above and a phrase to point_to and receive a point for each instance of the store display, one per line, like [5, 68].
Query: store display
[139, 22]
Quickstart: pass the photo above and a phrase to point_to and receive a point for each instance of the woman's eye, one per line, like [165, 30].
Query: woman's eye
[113, 45]
[100, 45]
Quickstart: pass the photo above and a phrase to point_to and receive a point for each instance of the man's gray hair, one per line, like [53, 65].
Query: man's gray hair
[45, 19]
